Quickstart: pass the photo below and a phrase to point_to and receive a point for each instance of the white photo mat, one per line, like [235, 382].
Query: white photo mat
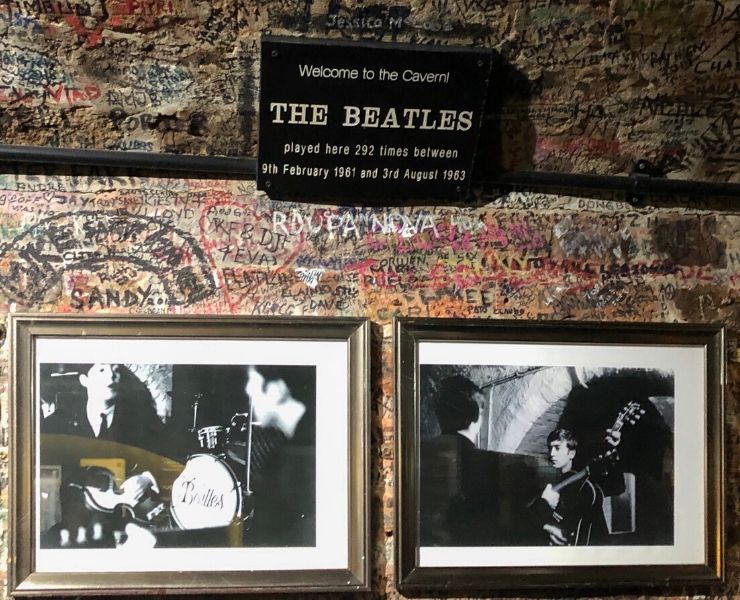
[688, 364]
[331, 359]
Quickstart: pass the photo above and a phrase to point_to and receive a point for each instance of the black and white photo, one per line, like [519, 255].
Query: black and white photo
[179, 455]
[559, 456]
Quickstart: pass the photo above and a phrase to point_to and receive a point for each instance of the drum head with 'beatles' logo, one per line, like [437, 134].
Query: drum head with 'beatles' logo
[206, 494]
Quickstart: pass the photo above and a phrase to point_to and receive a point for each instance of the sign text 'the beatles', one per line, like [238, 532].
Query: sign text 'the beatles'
[295, 113]
[355, 120]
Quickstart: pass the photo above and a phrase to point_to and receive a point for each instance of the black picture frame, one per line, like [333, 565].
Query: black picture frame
[446, 544]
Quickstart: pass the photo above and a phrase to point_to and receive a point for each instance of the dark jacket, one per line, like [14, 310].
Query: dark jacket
[579, 513]
[134, 423]
[470, 496]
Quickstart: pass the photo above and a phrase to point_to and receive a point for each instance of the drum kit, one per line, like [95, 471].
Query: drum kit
[208, 492]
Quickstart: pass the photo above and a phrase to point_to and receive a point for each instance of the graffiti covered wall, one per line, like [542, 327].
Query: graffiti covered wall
[582, 86]
[109, 243]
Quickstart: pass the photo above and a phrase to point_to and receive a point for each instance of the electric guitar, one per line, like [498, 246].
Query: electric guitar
[138, 497]
[97, 513]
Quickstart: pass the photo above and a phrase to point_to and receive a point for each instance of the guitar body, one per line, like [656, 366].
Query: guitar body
[96, 513]
[579, 514]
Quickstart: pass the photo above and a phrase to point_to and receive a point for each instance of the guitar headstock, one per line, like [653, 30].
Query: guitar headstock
[630, 414]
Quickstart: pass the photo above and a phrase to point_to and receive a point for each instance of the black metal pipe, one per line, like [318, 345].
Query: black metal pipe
[636, 184]
[247, 167]
[148, 161]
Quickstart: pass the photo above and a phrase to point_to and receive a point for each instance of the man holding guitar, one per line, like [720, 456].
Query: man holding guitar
[571, 510]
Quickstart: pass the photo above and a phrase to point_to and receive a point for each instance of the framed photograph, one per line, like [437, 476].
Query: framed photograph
[548, 454]
[190, 454]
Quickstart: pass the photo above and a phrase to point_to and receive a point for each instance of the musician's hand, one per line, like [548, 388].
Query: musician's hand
[557, 537]
[136, 486]
[613, 438]
[81, 536]
[94, 536]
[550, 496]
[138, 537]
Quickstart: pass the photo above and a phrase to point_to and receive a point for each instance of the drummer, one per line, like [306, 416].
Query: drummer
[273, 404]
[283, 465]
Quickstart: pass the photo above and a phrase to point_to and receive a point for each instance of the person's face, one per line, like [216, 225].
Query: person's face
[561, 457]
[102, 381]
[265, 398]
[480, 400]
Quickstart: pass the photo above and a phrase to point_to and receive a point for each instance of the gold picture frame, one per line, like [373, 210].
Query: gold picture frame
[623, 421]
[173, 503]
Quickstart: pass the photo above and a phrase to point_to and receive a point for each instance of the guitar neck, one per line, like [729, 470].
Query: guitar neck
[629, 415]
[570, 480]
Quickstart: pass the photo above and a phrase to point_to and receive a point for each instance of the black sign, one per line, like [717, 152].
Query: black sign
[367, 119]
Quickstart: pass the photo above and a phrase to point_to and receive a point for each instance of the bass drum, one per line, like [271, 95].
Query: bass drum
[206, 494]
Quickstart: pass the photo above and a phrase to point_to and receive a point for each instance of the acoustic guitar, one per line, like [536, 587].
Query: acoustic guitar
[578, 533]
